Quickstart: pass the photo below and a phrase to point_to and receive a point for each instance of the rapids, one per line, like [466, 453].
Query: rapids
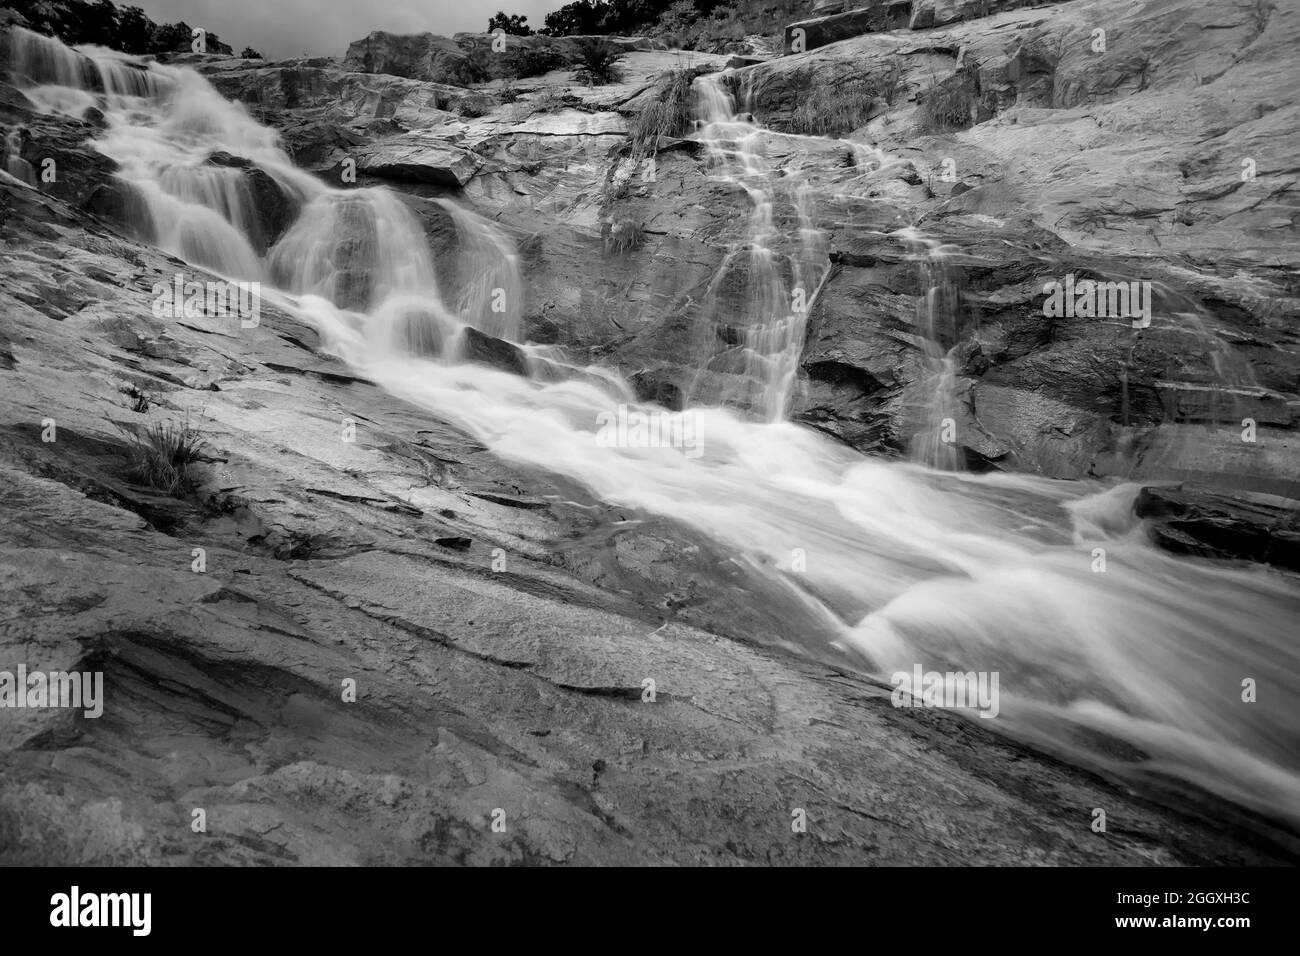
[1135, 670]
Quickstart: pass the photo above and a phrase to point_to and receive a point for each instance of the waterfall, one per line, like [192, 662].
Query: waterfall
[752, 322]
[14, 164]
[1134, 670]
[934, 441]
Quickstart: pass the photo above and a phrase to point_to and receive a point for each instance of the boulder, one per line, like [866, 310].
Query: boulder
[1191, 520]
[421, 56]
[274, 208]
[418, 158]
[476, 346]
[815, 32]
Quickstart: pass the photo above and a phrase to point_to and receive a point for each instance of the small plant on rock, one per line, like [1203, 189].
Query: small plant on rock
[534, 62]
[162, 456]
[666, 112]
[946, 106]
[598, 63]
[624, 236]
[140, 400]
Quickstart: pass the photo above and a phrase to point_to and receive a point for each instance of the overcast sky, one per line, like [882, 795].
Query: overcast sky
[285, 28]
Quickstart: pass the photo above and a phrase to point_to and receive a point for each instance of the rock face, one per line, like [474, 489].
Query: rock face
[874, 18]
[1038, 177]
[326, 563]
[1063, 396]
[1222, 526]
[423, 56]
[471, 57]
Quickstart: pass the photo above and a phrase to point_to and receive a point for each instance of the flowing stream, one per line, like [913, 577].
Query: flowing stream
[1136, 670]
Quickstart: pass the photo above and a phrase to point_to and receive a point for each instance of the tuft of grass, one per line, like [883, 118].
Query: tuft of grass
[552, 100]
[162, 456]
[946, 106]
[834, 109]
[666, 113]
[624, 236]
[598, 63]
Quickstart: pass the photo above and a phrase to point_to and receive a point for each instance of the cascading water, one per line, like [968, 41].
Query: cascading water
[14, 163]
[934, 440]
[753, 318]
[1136, 670]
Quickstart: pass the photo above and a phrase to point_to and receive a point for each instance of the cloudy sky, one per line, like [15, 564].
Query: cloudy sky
[284, 28]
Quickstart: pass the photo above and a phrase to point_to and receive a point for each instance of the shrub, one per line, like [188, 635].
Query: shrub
[534, 62]
[667, 112]
[946, 106]
[162, 455]
[599, 63]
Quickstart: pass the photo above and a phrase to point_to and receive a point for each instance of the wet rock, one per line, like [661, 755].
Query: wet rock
[1188, 520]
[118, 202]
[476, 346]
[273, 208]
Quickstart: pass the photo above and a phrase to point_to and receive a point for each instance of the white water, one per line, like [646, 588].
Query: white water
[751, 325]
[933, 441]
[904, 565]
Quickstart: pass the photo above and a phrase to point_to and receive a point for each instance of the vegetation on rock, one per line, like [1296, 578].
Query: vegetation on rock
[599, 63]
[666, 113]
[122, 28]
[162, 456]
[836, 109]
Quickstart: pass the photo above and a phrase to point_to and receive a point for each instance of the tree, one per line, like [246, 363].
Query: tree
[171, 38]
[134, 30]
[514, 25]
[579, 17]
[96, 23]
[251, 54]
